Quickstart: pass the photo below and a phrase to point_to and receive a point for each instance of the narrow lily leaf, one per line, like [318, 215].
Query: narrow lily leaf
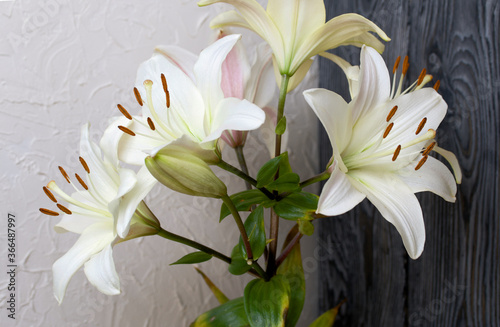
[195, 257]
[328, 318]
[268, 171]
[297, 205]
[221, 297]
[238, 265]
[305, 227]
[243, 201]
[254, 225]
[231, 313]
[267, 303]
[281, 126]
[288, 182]
[291, 269]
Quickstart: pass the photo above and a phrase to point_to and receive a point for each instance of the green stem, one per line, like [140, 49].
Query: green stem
[179, 239]
[259, 270]
[229, 203]
[281, 110]
[224, 165]
[318, 178]
[243, 164]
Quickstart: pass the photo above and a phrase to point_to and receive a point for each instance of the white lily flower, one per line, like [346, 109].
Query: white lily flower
[296, 30]
[111, 197]
[184, 101]
[381, 143]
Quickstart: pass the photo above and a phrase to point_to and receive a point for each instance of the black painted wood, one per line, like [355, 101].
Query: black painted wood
[456, 280]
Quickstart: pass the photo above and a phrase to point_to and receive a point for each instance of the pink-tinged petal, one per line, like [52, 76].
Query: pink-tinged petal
[235, 71]
[208, 72]
[100, 271]
[130, 201]
[397, 204]
[338, 195]
[92, 241]
[180, 57]
[433, 176]
[235, 114]
[333, 112]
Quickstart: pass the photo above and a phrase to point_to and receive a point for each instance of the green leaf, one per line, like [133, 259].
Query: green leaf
[297, 205]
[281, 126]
[288, 182]
[238, 265]
[195, 257]
[328, 318]
[285, 167]
[231, 313]
[243, 201]
[305, 227]
[268, 171]
[221, 297]
[291, 269]
[267, 303]
[254, 225]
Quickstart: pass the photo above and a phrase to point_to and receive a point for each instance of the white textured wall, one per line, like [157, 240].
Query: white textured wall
[62, 64]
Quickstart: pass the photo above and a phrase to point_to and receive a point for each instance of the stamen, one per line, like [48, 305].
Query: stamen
[48, 212]
[391, 114]
[421, 162]
[85, 166]
[406, 65]
[64, 209]
[396, 153]
[138, 96]
[437, 85]
[151, 124]
[49, 194]
[388, 130]
[421, 77]
[164, 83]
[124, 111]
[168, 98]
[421, 126]
[396, 65]
[82, 183]
[65, 175]
[54, 188]
[428, 149]
[126, 130]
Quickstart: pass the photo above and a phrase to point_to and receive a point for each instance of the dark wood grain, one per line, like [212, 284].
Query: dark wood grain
[456, 280]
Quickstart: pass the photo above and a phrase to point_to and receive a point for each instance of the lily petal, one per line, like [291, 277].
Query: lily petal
[351, 72]
[93, 240]
[101, 272]
[235, 71]
[128, 181]
[433, 176]
[452, 160]
[338, 195]
[397, 204]
[111, 139]
[229, 18]
[180, 57]
[261, 87]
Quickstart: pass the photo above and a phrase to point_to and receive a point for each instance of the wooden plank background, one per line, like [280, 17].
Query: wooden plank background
[456, 280]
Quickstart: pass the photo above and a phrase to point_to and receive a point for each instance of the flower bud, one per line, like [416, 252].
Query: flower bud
[143, 223]
[182, 171]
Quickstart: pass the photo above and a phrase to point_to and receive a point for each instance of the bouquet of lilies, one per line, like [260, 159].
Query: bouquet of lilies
[193, 105]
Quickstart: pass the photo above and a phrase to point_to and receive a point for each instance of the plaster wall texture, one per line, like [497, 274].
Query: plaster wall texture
[64, 63]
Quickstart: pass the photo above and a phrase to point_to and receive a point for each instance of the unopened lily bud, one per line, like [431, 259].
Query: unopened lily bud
[143, 223]
[186, 173]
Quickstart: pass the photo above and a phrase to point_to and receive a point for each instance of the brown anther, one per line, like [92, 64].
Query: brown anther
[422, 76]
[421, 126]
[84, 164]
[388, 130]
[49, 194]
[124, 111]
[65, 175]
[391, 113]
[396, 65]
[167, 94]
[406, 65]
[164, 83]
[48, 212]
[64, 209]
[429, 149]
[421, 162]
[82, 183]
[138, 96]
[126, 130]
[396, 153]
[437, 85]
[151, 124]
